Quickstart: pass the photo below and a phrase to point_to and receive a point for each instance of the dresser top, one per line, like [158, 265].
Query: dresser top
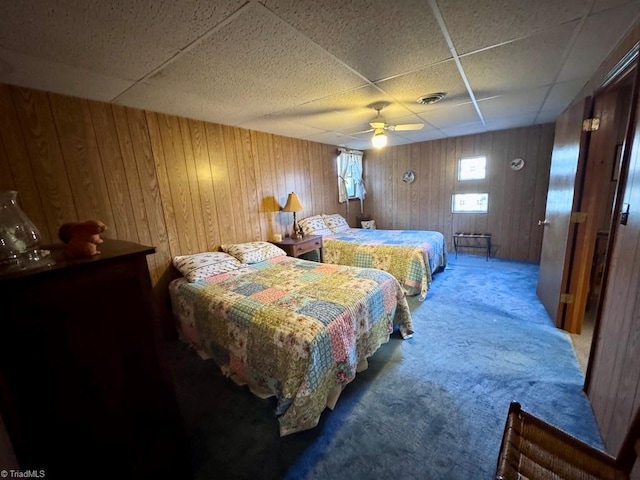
[109, 250]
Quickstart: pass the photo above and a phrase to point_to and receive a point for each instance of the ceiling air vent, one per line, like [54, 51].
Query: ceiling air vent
[431, 98]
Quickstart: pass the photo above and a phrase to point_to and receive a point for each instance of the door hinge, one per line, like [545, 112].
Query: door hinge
[590, 124]
[567, 298]
[578, 217]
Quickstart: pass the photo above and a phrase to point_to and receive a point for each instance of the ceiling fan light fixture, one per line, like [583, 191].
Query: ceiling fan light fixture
[379, 139]
[431, 98]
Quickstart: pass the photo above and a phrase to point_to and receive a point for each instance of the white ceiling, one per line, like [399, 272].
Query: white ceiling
[311, 69]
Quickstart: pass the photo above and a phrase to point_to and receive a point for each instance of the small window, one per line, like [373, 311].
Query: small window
[470, 203]
[472, 168]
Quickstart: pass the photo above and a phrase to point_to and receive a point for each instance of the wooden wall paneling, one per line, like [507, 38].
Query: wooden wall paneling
[327, 160]
[181, 194]
[270, 203]
[423, 182]
[36, 151]
[449, 153]
[115, 175]
[262, 179]
[199, 221]
[284, 218]
[134, 186]
[317, 187]
[304, 150]
[202, 167]
[297, 168]
[18, 173]
[85, 171]
[439, 198]
[499, 175]
[145, 164]
[221, 187]
[250, 174]
[413, 190]
[235, 177]
[6, 177]
[164, 190]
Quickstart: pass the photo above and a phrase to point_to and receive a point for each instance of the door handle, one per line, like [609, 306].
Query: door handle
[543, 223]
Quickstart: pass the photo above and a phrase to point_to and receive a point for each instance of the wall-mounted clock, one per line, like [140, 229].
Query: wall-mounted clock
[517, 164]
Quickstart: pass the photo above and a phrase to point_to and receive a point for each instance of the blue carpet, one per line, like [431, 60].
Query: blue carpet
[431, 407]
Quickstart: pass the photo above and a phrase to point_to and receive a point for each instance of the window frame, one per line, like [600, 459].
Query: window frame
[461, 160]
[453, 203]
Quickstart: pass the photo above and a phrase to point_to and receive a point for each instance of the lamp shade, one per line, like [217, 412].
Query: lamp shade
[293, 204]
[379, 139]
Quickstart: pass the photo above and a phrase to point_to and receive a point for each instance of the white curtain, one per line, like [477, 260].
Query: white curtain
[350, 165]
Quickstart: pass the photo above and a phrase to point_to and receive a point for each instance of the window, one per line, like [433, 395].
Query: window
[472, 168]
[470, 203]
[350, 183]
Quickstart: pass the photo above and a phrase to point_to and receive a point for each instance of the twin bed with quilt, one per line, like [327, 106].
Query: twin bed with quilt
[296, 329]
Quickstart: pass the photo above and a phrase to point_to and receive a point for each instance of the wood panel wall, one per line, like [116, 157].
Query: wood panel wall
[517, 199]
[186, 186]
[180, 185]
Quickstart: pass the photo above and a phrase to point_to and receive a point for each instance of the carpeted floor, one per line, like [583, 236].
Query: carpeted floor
[431, 407]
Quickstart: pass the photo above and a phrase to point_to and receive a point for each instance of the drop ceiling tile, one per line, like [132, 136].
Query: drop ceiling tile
[351, 109]
[467, 129]
[378, 39]
[443, 77]
[32, 72]
[549, 115]
[600, 5]
[527, 63]
[281, 127]
[594, 42]
[260, 63]
[513, 121]
[563, 93]
[524, 102]
[451, 116]
[483, 23]
[121, 39]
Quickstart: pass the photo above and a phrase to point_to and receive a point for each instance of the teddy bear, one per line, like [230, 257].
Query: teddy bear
[81, 239]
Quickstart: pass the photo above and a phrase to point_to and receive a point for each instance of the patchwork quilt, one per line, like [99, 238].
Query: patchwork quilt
[292, 328]
[412, 256]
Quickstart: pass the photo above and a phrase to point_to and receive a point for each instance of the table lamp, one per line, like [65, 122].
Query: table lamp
[293, 205]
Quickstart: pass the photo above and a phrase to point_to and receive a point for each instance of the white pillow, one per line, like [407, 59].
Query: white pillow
[204, 265]
[336, 222]
[368, 224]
[314, 226]
[253, 252]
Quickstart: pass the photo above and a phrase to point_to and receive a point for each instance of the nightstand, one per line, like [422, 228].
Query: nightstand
[295, 248]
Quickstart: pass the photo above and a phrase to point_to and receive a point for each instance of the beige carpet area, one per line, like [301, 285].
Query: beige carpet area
[582, 341]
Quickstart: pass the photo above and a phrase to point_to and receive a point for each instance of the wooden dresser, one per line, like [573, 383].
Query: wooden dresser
[83, 393]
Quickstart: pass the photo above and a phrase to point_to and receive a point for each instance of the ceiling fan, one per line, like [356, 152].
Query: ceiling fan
[379, 125]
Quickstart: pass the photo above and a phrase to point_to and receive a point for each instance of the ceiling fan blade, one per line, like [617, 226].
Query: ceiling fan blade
[362, 131]
[377, 124]
[407, 126]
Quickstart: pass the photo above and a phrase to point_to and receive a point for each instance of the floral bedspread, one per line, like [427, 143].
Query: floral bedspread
[291, 328]
[412, 256]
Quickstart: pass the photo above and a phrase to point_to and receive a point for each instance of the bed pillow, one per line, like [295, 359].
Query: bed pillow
[314, 226]
[204, 265]
[253, 252]
[336, 222]
[368, 224]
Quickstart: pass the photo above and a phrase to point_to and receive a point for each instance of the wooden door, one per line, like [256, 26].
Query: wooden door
[611, 107]
[614, 369]
[567, 160]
